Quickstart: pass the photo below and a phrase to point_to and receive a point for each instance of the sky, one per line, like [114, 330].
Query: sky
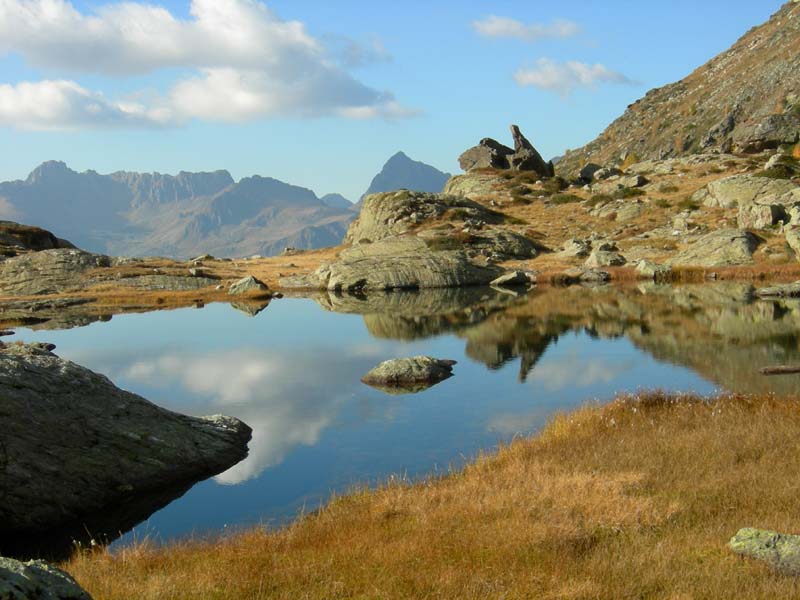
[321, 93]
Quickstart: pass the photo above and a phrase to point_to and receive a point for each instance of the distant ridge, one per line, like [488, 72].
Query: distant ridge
[401, 172]
[145, 214]
[750, 90]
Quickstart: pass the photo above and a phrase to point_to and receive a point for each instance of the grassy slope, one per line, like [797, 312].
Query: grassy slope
[633, 500]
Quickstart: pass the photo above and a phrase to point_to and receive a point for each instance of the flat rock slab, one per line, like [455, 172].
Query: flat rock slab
[37, 580]
[403, 375]
[779, 550]
[719, 248]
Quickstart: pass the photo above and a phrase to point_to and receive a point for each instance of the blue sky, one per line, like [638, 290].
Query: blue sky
[225, 84]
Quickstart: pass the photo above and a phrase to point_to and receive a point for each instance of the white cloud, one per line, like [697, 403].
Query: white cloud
[245, 63]
[52, 105]
[564, 78]
[505, 27]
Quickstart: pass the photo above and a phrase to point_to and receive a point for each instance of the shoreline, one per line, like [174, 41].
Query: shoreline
[606, 501]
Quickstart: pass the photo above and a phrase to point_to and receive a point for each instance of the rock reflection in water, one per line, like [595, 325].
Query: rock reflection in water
[721, 331]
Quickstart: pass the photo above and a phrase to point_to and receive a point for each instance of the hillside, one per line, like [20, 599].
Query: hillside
[743, 100]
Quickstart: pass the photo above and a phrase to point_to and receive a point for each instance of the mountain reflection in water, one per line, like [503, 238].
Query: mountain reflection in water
[292, 373]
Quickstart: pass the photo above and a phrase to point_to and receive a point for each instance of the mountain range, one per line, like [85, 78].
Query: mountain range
[146, 214]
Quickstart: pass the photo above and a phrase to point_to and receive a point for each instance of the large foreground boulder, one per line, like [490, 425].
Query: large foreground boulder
[780, 551]
[75, 445]
[16, 238]
[48, 271]
[719, 248]
[37, 580]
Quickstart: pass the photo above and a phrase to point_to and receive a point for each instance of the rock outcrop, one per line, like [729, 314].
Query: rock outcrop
[779, 550]
[409, 374]
[75, 446]
[16, 238]
[37, 580]
[393, 213]
[491, 154]
[248, 286]
[743, 190]
[48, 271]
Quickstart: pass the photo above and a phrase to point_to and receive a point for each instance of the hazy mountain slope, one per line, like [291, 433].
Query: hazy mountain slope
[401, 172]
[142, 214]
[336, 201]
[719, 106]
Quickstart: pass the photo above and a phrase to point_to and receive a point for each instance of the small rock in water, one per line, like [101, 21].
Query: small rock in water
[514, 278]
[402, 375]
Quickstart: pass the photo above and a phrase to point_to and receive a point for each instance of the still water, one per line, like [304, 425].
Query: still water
[292, 372]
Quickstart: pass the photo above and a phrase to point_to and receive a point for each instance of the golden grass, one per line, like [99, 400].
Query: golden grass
[796, 151]
[636, 499]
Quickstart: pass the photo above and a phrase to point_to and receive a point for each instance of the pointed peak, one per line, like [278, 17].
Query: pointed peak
[48, 169]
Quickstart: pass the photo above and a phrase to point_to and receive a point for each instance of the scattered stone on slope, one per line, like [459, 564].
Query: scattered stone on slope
[409, 374]
[248, 285]
[719, 248]
[37, 580]
[779, 550]
[605, 258]
[760, 216]
[576, 247]
[652, 270]
[103, 449]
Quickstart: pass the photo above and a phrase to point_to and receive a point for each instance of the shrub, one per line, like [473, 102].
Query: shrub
[796, 151]
[565, 198]
[598, 199]
[688, 204]
[668, 188]
[628, 193]
[630, 159]
[554, 185]
[662, 203]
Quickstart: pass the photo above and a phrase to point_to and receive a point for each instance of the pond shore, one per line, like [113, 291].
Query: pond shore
[637, 498]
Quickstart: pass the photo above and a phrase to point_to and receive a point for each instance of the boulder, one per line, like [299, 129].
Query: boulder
[760, 216]
[792, 235]
[248, 285]
[739, 190]
[418, 372]
[779, 550]
[488, 154]
[526, 157]
[103, 449]
[474, 184]
[652, 270]
[405, 262]
[581, 275]
[719, 248]
[502, 244]
[37, 580]
[491, 154]
[586, 174]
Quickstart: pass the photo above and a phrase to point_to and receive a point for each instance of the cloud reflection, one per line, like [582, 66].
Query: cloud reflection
[288, 399]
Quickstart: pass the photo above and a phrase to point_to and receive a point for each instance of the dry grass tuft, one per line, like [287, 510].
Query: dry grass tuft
[636, 499]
